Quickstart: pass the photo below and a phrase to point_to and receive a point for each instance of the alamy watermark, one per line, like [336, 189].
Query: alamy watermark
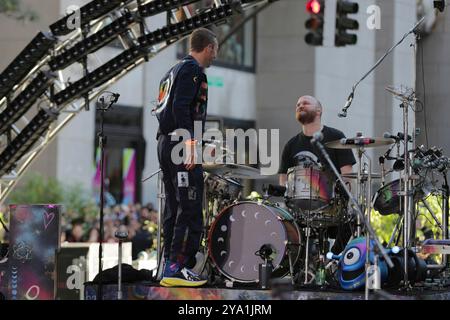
[374, 20]
[73, 14]
[251, 147]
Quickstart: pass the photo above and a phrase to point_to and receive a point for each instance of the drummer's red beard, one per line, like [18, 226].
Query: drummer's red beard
[305, 117]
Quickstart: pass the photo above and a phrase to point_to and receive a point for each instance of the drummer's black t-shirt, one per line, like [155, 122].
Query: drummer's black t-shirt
[300, 148]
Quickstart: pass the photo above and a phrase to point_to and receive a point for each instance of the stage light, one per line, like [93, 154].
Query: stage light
[185, 27]
[93, 42]
[315, 23]
[343, 23]
[20, 105]
[159, 6]
[25, 140]
[91, 11]
[25, 62]
[99, 76]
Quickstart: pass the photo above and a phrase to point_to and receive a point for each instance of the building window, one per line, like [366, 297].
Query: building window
[238, 51]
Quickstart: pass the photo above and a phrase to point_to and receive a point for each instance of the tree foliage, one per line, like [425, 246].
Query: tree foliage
[37, 189]
[14, 9]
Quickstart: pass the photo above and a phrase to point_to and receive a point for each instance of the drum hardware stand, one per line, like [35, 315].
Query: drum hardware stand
[445, 218]
[364, 200]
[291, 265]
[427, 206]
[444, 266]
[121, 235]
[408, 203]
[370, 233]
[308, 165]
[308, 234]
[396, 229]
[161, 196]
[265, 270]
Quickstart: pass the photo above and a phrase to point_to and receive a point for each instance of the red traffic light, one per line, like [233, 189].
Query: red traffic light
[314, 6]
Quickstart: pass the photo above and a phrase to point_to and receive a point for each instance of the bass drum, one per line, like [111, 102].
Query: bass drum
[239, 232]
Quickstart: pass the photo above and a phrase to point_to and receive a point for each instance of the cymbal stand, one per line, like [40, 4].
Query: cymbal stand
[364, 188]
[364, 191]
[161, 205]
[408, 203]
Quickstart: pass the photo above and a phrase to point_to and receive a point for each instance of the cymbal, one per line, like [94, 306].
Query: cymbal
[237, 171]
[354, 175]
[358, 142]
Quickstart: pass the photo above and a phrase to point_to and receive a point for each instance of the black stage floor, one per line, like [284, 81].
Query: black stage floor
[152, 291]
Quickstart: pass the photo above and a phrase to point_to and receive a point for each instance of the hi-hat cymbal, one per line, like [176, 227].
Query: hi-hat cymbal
[354, 175]
[237, 171]
[359, 142]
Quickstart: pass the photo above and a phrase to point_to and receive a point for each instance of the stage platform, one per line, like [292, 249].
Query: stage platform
[152, 291]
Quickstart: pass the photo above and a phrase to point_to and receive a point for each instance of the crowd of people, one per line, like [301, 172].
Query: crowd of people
[141, 223]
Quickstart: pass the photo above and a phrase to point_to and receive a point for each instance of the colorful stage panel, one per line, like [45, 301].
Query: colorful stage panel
[34, 240]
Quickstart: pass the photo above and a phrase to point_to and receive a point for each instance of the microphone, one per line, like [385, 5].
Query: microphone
[388, 135]
[398, 137]
[357, 141]
[116, 97]
[317, 137]
[343, 113]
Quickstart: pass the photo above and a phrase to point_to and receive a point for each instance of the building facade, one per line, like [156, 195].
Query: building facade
[262, 92]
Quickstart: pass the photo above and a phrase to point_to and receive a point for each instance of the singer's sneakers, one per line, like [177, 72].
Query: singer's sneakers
[182, 278]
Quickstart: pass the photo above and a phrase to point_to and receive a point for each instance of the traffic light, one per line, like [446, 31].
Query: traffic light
[316, 9]
[343, 23]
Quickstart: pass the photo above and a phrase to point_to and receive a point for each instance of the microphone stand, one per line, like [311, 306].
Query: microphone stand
[103, 106]
[161, 195]
[370, 231]
[343, 113]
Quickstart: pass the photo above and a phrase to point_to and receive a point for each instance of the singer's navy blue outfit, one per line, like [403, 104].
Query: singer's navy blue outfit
[182, 100]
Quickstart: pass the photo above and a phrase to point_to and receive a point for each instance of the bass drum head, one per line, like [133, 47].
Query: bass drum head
[240, 231]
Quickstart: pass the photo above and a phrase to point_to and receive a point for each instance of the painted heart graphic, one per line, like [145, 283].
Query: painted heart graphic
[48, 218]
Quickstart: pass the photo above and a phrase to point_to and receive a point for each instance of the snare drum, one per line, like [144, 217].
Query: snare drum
[309, 188]
[242, 229]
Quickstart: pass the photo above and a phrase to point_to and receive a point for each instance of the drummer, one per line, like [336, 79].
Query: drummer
[298, 149]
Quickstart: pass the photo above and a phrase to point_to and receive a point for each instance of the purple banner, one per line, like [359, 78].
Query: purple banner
[129, 176]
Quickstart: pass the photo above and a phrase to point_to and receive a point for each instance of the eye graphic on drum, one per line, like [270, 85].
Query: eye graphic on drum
[240, 231]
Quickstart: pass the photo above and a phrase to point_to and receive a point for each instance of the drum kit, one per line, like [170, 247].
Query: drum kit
[294, 235]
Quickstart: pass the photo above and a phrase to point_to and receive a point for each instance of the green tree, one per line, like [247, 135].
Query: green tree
[13, 9]
[37, 189]
[384, 225]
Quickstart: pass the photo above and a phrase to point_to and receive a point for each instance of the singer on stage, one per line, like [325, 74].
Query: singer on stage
[309, 113]
[182, 101]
